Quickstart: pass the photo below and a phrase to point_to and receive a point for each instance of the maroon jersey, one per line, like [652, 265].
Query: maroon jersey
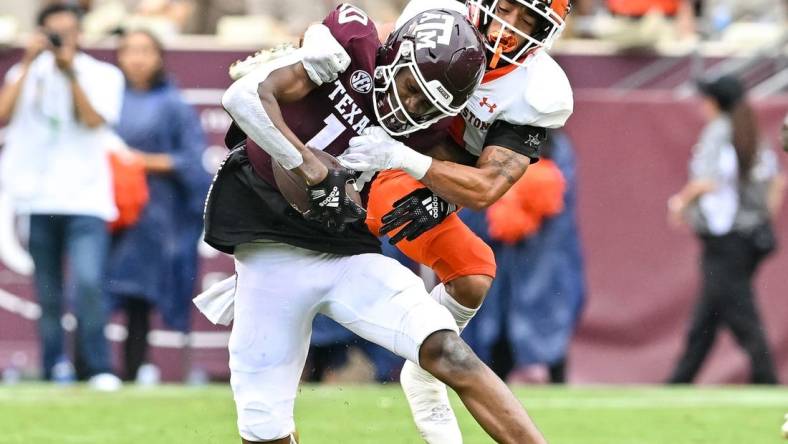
[244, 204]
[334, 112]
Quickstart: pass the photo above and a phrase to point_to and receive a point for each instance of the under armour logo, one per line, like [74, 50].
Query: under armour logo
[492, 107]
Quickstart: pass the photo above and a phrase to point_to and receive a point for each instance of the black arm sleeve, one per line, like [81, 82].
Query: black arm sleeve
[523, 139]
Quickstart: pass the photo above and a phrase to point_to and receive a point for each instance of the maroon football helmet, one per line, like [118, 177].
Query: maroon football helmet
[445, 54]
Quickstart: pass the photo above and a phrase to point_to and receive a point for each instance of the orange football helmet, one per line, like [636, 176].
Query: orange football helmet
[550, 22]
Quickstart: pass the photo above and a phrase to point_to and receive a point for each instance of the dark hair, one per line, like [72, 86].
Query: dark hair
[728, 93]
[57, 8]
[745, 137]
[159, 77]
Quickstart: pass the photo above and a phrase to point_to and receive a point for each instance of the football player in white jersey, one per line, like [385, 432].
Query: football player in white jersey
[491, 144]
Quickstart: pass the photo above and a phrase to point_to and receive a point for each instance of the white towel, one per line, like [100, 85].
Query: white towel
[218, 301]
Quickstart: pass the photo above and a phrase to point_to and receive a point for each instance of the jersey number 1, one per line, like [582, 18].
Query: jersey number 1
[328, 134]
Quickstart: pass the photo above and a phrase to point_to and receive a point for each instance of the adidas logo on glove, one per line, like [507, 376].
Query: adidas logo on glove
[332, 200]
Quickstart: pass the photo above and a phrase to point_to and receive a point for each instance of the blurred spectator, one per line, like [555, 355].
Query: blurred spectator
[637, 23]
[154, 262]
[718, 15]
[166, 17]
[55, 167]
[734, 191]
[524, 327]
[644, 23]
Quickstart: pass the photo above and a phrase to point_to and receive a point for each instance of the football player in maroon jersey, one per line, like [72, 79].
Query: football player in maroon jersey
[290, 268]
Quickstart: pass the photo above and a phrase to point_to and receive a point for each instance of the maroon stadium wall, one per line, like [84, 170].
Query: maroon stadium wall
[643, 279]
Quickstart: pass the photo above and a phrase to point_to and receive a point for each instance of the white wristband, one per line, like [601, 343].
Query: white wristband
[415, 163]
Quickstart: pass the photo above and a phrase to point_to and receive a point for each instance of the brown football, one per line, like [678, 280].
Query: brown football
[294, 189]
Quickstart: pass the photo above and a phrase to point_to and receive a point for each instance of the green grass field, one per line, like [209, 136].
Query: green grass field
[378, 414]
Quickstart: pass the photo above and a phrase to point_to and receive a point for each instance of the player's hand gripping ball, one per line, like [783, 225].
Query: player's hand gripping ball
[333, 203]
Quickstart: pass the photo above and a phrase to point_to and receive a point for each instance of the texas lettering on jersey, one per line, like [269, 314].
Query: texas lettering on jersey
[351, 113]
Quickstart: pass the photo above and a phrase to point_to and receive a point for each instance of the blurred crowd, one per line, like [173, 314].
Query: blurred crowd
[627, 23]
[261, 22]
[639, 23]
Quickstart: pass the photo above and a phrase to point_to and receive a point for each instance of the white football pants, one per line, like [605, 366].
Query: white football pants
[279, 291]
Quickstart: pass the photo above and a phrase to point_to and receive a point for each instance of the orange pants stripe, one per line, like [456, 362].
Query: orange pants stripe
[451, 249]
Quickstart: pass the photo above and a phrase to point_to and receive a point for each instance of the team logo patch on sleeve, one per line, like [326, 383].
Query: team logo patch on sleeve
[361, 81]
[533, 140]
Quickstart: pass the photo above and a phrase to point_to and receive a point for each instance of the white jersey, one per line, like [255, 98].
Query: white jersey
[537, 94]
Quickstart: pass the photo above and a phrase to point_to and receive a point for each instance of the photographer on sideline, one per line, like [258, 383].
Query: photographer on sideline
[58, 101]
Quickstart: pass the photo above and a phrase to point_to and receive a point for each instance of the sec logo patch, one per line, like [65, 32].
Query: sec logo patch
[361, 81]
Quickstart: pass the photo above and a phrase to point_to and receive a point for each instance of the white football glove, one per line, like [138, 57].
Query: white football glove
[376, 150]
[324, 57]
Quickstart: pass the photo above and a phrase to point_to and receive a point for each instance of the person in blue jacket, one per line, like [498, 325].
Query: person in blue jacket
[536, 299]
[154, 262]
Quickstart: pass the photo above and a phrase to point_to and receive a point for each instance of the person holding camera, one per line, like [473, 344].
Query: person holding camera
[59, 101]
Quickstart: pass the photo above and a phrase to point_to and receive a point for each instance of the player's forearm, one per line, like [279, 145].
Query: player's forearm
[466, 186]
[253, 102]
[82, 107]
[310, 169]
[245, 105]
[479, 186]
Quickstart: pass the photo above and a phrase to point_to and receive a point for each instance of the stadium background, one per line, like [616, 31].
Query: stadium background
[632, 145]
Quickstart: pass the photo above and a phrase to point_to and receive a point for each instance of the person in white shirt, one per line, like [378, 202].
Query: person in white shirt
[59, 102]
[734, 192]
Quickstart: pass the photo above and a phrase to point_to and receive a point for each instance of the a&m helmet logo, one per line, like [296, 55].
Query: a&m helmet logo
[433, 29]
[361, 81]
